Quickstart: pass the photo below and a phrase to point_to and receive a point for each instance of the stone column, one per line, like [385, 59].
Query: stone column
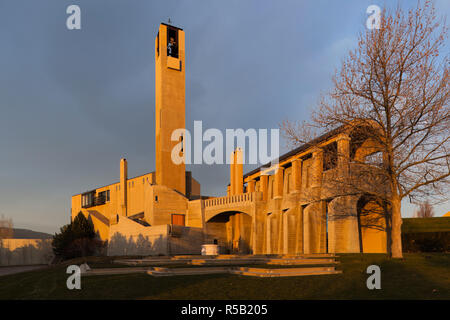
[251, 186]
[343, 233]
[317, 168]
[284, 216]
[297, 175]
[264, 181]
[239, 171]
[278, 183]
[306, 231]
[299, 231]
[343, 149]
[242, 244]
[232, 173]
[268, 235]
[123, 186]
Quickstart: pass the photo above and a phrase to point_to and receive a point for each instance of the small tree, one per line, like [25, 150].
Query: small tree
[77, 239]
[425, 210]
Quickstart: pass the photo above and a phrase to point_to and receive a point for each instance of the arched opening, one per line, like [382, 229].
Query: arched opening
[232, 232]
[372, 225]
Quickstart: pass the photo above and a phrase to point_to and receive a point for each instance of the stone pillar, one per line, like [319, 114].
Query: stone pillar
[242, 238]
[343, 233]
[264, 181]
[285, 232]
[251, 186]
[343, 150]
[123, 186]
[297, 175]
[268, 235]
[317, 168]
[299, 231]
[239, 171]
[278, 184]
[306, 231]
[232, 173]
[279, 218]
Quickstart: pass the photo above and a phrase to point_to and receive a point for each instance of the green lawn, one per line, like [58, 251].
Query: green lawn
[418, 276]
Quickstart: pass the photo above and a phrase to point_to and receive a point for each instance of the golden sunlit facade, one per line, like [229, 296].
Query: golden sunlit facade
[290, 208]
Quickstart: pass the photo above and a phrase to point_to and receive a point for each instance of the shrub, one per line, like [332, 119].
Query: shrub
[426, 242]
[77, 239]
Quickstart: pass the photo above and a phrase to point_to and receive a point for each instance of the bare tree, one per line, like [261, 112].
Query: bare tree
[6, 228]
[393, 89]
[425, 210]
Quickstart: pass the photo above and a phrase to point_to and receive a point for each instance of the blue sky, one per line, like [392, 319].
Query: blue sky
[74, 102]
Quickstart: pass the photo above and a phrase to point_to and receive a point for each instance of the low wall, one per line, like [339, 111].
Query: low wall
[25, 251]
[185, 240]
[128, 237]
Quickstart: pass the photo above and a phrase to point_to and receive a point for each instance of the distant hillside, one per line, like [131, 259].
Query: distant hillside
[30, 234]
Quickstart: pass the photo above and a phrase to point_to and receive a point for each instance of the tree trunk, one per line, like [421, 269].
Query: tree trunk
[396, 235]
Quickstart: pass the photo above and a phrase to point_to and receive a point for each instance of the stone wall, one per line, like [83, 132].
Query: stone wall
[128, 237]
[25, 252]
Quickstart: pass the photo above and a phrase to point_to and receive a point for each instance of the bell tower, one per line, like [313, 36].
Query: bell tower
[169, 104]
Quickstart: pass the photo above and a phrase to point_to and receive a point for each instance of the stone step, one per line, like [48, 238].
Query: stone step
[301, 261]
[110, 271]
[284, 270]
[158, 272]
[272, 261]
[298, 274]
[258, 272]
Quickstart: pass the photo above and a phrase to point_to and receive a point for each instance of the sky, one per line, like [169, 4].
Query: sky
[73, 102]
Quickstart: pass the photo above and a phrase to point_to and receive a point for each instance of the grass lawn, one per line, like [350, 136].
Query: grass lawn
[418, 276]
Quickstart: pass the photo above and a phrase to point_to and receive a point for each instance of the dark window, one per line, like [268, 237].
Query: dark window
[157, 45]
[104, 196]
[330, 156]
[172, 42]
[87, 199]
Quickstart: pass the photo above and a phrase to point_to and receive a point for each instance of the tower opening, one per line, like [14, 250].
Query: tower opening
[172, 42]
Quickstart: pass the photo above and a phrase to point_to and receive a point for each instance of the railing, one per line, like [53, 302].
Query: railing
[238, 198]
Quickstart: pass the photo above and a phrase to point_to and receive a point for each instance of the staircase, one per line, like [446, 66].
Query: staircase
[307, 266]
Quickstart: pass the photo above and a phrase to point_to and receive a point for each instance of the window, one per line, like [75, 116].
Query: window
[104, 196]
[157, 45]
[172, 42]
[330, 156]
[87, 199]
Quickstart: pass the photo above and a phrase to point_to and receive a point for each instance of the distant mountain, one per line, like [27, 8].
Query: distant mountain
[30, 234]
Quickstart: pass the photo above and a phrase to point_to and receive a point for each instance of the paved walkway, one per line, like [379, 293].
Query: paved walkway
[17, 269]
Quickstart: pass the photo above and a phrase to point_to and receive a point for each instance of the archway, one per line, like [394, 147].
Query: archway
[372, 225]
[231, 230]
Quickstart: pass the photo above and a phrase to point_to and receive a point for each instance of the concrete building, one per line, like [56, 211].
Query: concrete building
[295, 206]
